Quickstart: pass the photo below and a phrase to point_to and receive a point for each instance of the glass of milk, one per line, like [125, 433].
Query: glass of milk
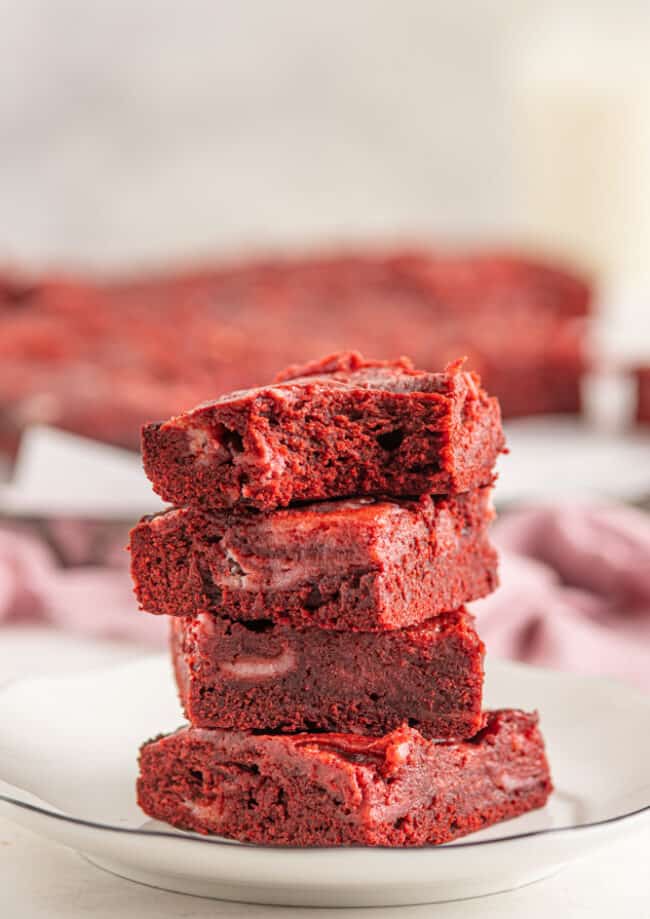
[581, 102]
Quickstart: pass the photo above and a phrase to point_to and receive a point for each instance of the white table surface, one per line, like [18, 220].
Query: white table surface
[40, 880]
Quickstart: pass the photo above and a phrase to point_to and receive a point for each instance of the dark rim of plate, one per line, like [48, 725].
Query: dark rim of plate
[220, 841]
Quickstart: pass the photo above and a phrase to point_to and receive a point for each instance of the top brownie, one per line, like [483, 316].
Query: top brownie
[337, 427]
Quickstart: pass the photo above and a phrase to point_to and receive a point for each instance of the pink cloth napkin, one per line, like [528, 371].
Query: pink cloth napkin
[95, 599]
[574, 595]
[575, 591]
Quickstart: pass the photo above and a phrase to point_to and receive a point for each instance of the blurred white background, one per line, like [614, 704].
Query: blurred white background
[133, 133]
[137, 130]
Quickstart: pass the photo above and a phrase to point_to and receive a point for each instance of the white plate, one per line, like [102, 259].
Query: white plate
[68, 765]
[554, 459]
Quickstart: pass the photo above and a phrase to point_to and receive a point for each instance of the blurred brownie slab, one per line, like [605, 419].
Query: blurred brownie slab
[100, 358]
[261, 676]
[342, 789]
[366, 563]
[338, 427]
[643, 395]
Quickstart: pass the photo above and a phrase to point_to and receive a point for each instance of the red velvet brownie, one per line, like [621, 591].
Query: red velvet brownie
[643, 395]
[365, 563]
[264, 676]
[342, 426]
[342, 789]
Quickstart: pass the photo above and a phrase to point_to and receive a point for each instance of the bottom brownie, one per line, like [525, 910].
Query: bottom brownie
[345, 789]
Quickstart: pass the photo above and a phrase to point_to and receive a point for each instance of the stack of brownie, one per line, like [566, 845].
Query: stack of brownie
[327, 531]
